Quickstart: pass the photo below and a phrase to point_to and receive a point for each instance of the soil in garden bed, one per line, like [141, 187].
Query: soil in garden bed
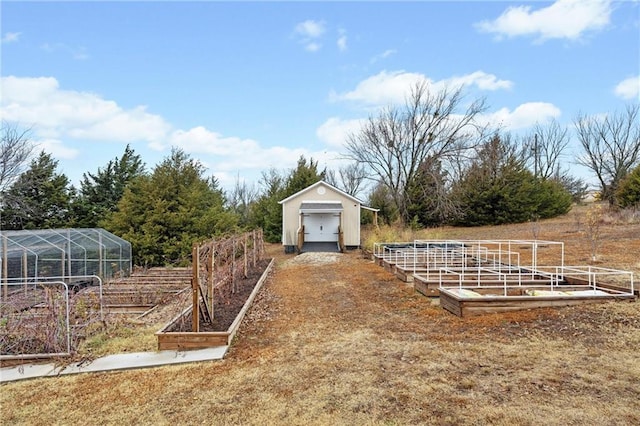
[227, 307]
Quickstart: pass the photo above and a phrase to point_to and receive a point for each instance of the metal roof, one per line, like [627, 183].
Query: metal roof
[321, 207]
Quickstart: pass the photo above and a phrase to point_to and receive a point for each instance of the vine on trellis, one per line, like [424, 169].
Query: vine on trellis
[217, 265]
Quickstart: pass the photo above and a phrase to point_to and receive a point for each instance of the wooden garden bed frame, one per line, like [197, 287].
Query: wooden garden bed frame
[517, 300]
[142, 291]
[500, 272]
[187, 340]
[555, 288]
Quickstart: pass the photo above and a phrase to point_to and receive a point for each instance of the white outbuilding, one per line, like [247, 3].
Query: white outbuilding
[321, 215]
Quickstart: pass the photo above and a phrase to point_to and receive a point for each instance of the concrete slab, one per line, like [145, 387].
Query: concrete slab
[320, 247]
[27, 371]
[113, 362]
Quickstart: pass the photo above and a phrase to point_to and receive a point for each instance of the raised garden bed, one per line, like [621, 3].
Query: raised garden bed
[466, 302]
[228, 315]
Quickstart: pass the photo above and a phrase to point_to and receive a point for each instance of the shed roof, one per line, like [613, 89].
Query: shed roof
[315, 185]
[321, 207]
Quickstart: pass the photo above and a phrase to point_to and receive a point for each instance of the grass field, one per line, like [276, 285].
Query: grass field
[344, 342]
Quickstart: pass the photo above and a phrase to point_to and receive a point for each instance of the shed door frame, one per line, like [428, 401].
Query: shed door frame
[321, 220]
[321, 227]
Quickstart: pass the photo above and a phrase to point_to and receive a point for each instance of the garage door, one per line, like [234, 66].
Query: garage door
[321, 227]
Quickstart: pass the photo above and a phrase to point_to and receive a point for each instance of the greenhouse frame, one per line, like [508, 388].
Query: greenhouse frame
[37, 254]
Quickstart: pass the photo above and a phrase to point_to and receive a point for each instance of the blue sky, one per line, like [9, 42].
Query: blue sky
[246, 86]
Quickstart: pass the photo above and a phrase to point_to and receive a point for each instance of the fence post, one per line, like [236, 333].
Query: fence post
[195, 260]
[212, 263]
[233, 266]
[244, 256]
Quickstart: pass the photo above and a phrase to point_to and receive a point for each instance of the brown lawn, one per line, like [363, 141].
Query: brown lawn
[344, 342]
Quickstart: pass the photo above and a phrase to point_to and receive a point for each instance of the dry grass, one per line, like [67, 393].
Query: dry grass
[347, 343]
[125, 333]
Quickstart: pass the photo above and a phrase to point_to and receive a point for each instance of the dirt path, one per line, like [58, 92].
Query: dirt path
[351, 340]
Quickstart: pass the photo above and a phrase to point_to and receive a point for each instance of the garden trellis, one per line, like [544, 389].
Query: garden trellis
[217, 264]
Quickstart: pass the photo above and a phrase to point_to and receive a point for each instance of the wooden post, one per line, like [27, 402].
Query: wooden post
[254, 248]
[233, 266]
[195, 320]
[245, 256]
[212, 253]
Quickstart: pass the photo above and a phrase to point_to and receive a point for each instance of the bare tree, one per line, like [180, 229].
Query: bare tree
[241, 197]
[611, 147]
[350, 178]
[544, 149]
[593, 228]
[394, 143]
[546, 145]
[15, 149]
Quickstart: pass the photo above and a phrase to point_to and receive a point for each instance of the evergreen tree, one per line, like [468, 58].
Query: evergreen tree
[303, 176]
[39, 198]
[267, 212]
[497, 188]
[164, 213]
[628, 193]
[429, 201]
[381, 198]
[100, 193]
[552, 198]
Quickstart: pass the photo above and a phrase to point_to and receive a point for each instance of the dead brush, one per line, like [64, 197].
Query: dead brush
[628, 216]
[38, 321]
[385, 233]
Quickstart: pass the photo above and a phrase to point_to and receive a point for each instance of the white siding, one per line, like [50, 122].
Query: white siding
[350, 216]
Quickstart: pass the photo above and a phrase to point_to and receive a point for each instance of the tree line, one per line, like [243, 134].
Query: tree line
[434, 163]
[426, 163]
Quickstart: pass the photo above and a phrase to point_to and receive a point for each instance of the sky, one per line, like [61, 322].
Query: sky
[243, 87]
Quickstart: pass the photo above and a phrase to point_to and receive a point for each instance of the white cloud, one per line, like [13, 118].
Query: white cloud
[334, 131]
[564, 19]
[382, 88]
[383, 55]
[523, 116]
[480, 79]
[629, 88]
[342, 41]
[226, 157]
[393, 87]
[202, 140]
[312, 46]
[310, 28]
[309, 32]
[57, 149]
[10, 37]
[124, 125]
[69, 124]
[57, 113]
[79, 53]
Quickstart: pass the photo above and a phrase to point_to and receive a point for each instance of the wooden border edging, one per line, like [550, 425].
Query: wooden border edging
[467, 307]
[185, 340]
